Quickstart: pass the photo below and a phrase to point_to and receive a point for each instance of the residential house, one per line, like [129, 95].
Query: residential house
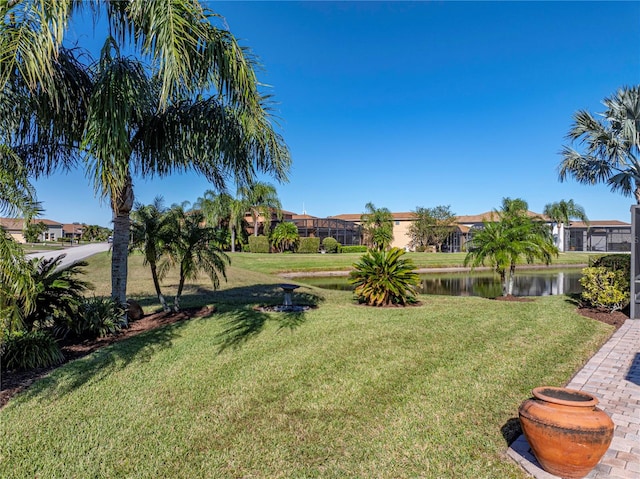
[15, 227]
[73, 230]
[599, 235]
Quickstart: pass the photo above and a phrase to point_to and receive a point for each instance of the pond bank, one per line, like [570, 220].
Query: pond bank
[449, 269]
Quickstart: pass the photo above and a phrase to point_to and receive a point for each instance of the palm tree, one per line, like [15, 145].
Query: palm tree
[59, 291]
[194, 249]
[610, 146]
[17, 196]
[490, 244]
[224, 209]
[377, 225]
[511, 237]
[188, 102]
[561, 213]
[151, 233]
[285, 236]
[262, 201]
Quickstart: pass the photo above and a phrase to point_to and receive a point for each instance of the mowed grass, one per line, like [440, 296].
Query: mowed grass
[286, 263]
[339, 391]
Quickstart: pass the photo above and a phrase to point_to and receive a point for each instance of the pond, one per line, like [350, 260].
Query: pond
[543, 282]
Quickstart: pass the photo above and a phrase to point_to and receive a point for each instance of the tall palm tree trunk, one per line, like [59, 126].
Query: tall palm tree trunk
[512, 275]
[156, 285]
[121, 206]
[233, 240]
[176, 301]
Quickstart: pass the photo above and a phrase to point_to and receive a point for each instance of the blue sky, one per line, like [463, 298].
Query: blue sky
[416, 104]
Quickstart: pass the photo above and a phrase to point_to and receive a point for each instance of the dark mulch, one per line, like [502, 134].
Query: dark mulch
[13, 382]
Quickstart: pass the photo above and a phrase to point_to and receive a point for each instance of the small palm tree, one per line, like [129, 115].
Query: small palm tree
[224, 209]
[285, 236]
[261, 200]
[561, 214]
[151, 235]
[512, 236]
[195, 248]
[377, 226]
[610, 150]
[59, 291]
[384, 277]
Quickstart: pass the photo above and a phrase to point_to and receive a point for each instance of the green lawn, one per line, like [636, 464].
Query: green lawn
[341, 391]
[283, 263]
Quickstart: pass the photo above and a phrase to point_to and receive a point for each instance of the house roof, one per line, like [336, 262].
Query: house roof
[463, 219]
[581, 224]
[73, 228]
[12, 224]
[403, 216]
[17, 224]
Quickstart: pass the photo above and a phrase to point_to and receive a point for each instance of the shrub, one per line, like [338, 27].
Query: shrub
[309, 245]
[615, 262]
[605, 289]
[331, 245]
[97, 317]
[384, 277]
[258, 244]
[58, 291]
[354, 249]
[30, 349]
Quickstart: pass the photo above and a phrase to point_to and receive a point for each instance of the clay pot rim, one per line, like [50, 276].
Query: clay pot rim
[583, 399]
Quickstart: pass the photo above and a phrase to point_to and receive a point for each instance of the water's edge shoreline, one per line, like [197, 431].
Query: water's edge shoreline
[449, 269]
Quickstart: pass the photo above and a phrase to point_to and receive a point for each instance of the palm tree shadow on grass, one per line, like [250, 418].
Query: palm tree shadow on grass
[256, 294]
[243, 320]
[244, 324]
[105, 361]
[241, 326]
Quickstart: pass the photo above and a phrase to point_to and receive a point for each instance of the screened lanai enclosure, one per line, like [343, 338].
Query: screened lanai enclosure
[344, 232]
[602, 239]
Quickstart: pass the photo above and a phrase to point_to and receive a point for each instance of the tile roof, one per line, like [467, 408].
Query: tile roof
[18, 223]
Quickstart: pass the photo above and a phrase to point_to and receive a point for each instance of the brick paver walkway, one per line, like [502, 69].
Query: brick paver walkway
[613, 376]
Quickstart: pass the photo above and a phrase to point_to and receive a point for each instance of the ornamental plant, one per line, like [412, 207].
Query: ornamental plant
[331, 245]
[30, 349]
[383, 278]
[603, 288]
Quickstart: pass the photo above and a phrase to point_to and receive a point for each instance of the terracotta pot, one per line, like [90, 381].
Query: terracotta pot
[567, 433]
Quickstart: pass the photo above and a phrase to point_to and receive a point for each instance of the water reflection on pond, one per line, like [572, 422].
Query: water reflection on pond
[542, 282]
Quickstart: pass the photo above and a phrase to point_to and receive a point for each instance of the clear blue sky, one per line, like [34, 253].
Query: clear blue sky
[417, 104]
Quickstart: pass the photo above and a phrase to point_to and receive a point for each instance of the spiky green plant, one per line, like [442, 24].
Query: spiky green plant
[97, 317]
[30, 349]
[383, 278]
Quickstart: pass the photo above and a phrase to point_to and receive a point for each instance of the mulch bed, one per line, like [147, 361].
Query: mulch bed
[13, 382]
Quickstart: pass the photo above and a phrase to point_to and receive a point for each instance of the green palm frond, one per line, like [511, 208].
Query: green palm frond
[608, 147]
[384, 277]
[32, 32]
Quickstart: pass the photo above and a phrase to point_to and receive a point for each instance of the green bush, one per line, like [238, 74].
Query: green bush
[258, 244]
[606, 289]
[30, 349]
[384, 277]
[309, 245]
[354, 249]
[97, 317]
[331, 245]
[615, 262]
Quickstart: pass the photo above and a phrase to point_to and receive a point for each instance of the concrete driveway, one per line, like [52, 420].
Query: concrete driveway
[73, 253]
